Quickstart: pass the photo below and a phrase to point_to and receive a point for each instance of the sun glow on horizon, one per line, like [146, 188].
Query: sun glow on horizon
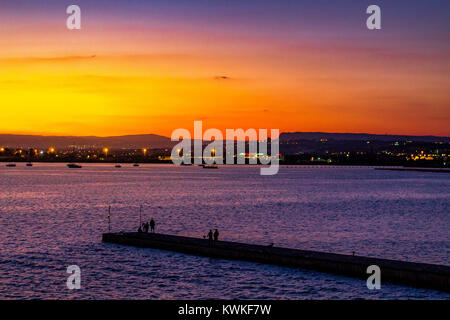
[117, 78]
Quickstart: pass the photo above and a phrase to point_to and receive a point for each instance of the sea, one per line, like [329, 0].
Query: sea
[53, 217]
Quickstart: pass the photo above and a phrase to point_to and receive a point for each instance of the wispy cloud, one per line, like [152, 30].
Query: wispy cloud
[222, 78]
[48, 59]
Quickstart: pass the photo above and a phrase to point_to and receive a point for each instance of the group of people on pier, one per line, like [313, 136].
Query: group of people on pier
[146, 225]
[213, 237]
[144, 228]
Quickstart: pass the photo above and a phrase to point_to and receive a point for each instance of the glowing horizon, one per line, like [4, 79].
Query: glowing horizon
[153, 67]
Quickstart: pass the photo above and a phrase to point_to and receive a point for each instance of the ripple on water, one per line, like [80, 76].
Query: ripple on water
[53, 217]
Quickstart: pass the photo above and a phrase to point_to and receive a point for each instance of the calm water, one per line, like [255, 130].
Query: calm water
[53, 217]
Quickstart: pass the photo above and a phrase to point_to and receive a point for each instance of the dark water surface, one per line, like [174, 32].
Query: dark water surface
[52, 217]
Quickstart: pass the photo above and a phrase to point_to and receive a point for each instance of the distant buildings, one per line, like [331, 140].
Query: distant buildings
[321, 151]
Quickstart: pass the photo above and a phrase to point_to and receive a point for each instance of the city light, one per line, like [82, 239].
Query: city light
[51, 150]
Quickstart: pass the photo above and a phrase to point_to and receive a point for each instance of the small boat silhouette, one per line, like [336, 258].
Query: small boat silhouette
[118, 166]
[11, 165]
[29, 164]
[74, 166]
[136, 165]
[210, 166]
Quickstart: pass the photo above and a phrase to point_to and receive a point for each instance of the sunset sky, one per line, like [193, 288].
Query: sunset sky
[153, 66]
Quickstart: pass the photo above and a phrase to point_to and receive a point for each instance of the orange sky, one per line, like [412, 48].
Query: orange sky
[115, 79]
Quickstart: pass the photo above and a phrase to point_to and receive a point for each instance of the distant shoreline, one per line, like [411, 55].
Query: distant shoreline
[445, 170]
[386, 167]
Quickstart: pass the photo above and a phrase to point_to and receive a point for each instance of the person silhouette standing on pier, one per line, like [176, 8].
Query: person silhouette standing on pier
[152, 225]
[146, 227]
[210, 237]
[216, 235]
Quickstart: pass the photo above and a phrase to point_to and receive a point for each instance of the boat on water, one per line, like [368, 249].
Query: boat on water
[74, 166]
[210, 166]
[136, 165]
[29, 164]
[185, 164]
[11, 165]
[118, 166]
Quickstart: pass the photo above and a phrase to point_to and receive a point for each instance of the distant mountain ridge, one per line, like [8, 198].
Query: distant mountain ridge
[113, 142]
[158, 141]
[358, 137]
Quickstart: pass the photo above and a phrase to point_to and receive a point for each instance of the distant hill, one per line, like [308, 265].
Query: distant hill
[357, 137]
[115, 142]
[157, 141]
